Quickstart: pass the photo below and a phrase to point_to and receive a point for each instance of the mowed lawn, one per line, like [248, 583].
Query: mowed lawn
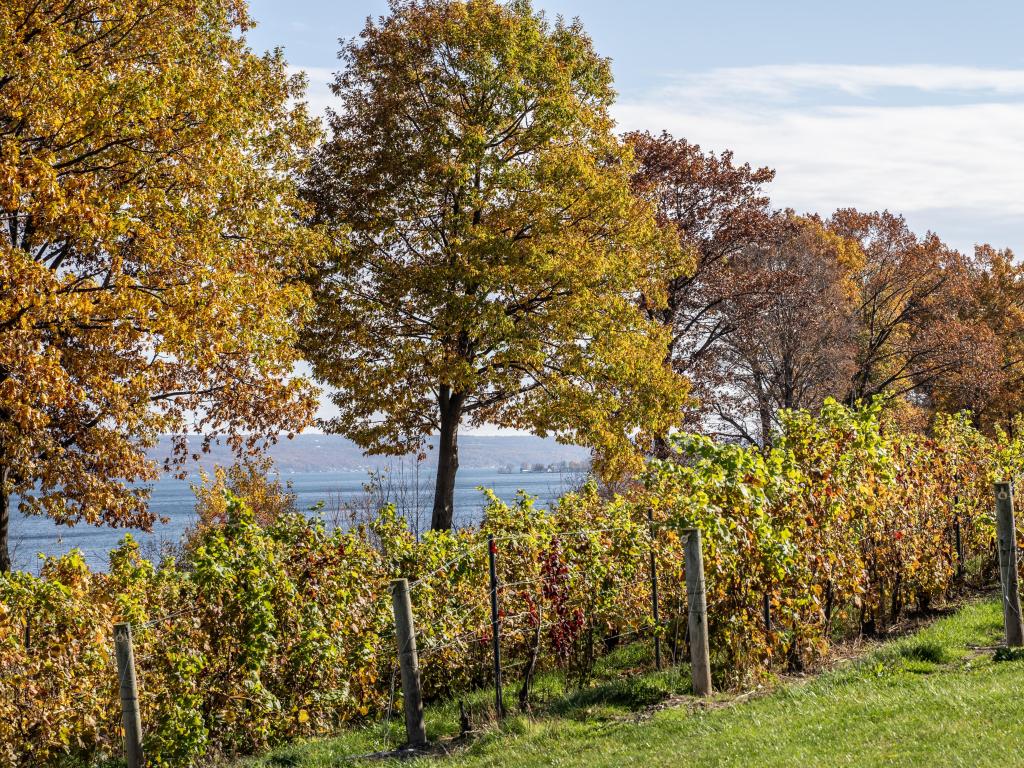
[937, 698]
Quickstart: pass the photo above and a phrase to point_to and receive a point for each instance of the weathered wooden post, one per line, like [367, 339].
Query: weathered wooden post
[1006, 534]
[408, 662]
[654, 594]
[700, 661]
[492, 551]
[130, 715]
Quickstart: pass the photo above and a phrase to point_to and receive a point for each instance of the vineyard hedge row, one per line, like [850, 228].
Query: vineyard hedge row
[269, 626]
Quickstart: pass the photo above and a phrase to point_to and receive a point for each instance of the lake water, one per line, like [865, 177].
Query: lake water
[175, 500]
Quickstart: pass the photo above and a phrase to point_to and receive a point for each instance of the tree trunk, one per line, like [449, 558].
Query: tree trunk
[764, 409]
[662, 448]
[5, 521]
[447, 459]
[765, 416]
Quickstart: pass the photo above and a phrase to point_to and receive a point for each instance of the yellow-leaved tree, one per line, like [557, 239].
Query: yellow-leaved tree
[495, 254]
[150, 236]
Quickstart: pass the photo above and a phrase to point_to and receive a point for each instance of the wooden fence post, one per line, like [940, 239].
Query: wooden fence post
[408, 661]
[1006, 533]
[654, 594]
[129, 695]
[700, 661]
[499, 700]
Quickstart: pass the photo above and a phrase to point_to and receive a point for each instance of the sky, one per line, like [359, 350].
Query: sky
[916, 107]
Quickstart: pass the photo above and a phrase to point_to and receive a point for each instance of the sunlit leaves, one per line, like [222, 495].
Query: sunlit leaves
[496, 252]
[846, 519]
[147, 162]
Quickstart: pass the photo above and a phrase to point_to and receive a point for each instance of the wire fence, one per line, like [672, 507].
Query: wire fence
[502, 621]
[523, 628]
[516, 629]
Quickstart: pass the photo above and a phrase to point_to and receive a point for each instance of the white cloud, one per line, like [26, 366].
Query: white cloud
[790, 80]
[949, 139]
[939, 143]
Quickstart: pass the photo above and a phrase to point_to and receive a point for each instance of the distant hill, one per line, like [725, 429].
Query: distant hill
[333, 453]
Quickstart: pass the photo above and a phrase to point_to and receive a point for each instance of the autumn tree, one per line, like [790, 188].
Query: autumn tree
[991, 385]
[794, 342]
[496, 253]
[862, 307]
[148, 249]
[912, 291]
[716, 207]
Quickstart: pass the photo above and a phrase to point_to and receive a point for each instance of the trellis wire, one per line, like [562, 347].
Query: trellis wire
[510, 628]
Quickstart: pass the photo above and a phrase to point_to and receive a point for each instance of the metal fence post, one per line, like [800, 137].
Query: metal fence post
[654, 594]
[492, 551]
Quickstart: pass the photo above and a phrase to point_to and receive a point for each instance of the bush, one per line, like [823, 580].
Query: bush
[270, 626]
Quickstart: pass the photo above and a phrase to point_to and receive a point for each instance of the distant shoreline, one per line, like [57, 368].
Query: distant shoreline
[174, 500]
[316, 452]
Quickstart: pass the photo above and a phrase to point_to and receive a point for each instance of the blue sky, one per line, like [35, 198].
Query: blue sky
[917, 107]
[649, 39]
[913, 106]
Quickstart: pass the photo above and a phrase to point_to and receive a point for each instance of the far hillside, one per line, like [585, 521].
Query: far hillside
[334, 453]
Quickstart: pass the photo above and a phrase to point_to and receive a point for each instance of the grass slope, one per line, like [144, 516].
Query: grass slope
[931, 699]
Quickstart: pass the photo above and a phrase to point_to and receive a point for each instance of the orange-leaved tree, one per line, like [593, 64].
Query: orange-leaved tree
[794, 336]
[497, 252]
[912, 303]
[717, 208]
[150, 236]
[991, 386]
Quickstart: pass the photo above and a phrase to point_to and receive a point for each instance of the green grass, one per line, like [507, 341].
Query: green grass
[930, 699]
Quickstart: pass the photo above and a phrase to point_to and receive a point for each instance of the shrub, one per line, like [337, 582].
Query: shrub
[272, 626]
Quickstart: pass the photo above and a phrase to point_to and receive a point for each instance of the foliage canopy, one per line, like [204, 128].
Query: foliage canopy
[496, 252]
[150, 234]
